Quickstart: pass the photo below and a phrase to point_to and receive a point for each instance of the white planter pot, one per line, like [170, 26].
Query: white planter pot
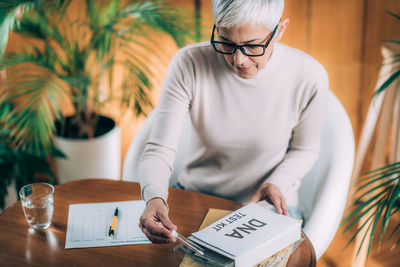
[11, 197]
[99, 157]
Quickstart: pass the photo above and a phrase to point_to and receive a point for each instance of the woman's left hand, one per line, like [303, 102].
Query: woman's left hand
[273, 195]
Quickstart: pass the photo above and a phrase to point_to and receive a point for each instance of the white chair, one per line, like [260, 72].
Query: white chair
[324, 190]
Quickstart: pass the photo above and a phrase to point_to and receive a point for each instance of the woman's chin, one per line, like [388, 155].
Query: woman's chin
[245, 73]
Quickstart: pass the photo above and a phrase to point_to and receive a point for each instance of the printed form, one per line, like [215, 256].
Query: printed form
[89, 224]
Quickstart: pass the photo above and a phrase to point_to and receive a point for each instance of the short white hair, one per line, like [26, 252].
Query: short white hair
[231, 13]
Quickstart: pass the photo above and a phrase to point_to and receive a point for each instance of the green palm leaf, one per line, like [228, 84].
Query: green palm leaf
[381, 206]
[32, 122]
[388, 82]
[9, 10]
[360, 228]
[382, 196]
[160, 17]
[396, 73]
[392, 199]
[393, 15]
[363, 209]
[379, 171]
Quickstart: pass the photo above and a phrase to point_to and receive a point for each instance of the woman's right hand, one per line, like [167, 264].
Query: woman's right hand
[155, 222]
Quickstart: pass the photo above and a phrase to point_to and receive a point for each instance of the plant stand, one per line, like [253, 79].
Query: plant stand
[382, 119]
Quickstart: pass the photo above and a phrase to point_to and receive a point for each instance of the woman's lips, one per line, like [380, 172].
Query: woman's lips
[243, 69]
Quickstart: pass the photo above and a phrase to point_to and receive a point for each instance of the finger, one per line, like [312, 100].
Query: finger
[155, 235]
[140, 225]
[166, 221]
[155, 228]
[257, 197]
[277, 203]
[284, 207]
[156, 239]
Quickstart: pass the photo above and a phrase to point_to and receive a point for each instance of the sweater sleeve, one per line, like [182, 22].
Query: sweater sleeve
[156, 163]
[304, 146]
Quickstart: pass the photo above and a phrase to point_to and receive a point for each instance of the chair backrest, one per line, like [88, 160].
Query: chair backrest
[135, 150]
[324, 189]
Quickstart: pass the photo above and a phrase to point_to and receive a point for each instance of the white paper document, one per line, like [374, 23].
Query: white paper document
[89, 224]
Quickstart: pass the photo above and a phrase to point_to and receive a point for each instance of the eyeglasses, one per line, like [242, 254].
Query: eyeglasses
[248, 49]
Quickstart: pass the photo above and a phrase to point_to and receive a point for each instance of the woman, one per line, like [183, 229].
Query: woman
[256, 109]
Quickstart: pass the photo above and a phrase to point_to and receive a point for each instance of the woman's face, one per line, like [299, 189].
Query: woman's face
[244, 66]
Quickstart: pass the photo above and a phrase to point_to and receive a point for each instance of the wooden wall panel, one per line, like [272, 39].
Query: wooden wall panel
[335, 41]
[297, 33]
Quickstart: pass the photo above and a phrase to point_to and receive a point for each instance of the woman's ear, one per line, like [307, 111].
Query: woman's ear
[282, 28]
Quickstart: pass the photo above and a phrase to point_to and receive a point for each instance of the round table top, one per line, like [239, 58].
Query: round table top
[21, 245]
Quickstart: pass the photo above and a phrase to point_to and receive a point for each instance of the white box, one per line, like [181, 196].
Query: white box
[249, 235]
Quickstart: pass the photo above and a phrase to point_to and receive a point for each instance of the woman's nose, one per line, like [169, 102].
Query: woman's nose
[239, 58]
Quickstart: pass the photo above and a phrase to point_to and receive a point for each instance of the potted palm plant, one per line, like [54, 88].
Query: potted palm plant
[86, 60]
[378, 191]
[17, 166]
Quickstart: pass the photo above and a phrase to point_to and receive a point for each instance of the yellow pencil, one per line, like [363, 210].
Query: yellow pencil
[113, 226]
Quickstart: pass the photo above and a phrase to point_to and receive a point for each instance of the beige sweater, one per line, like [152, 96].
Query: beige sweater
[246, 131]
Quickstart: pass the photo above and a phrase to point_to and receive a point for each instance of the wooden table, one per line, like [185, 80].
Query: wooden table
[22, 246]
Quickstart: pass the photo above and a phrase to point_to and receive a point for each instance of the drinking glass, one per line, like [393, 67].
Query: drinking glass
[38, 204]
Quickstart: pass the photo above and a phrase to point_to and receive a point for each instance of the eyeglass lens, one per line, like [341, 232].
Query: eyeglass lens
[247, 50]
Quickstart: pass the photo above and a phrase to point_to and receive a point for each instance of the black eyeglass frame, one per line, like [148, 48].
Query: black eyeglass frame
[241, 47]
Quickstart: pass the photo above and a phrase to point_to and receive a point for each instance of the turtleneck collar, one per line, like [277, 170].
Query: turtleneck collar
[273, 61]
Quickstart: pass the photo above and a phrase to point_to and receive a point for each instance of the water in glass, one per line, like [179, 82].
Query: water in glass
[38, 204]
